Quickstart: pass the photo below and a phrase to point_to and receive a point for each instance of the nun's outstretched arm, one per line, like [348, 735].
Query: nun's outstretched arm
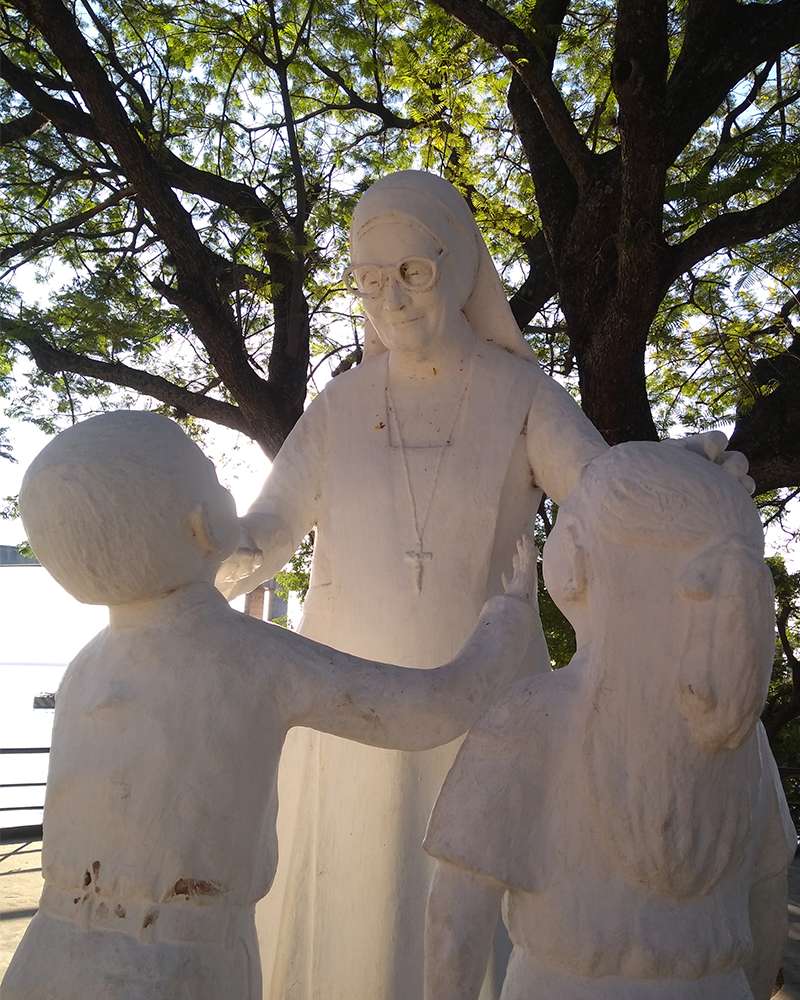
[403, 708]
[561, 439]
[285, 510]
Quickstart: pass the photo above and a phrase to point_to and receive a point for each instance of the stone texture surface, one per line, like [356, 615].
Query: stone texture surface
[161, 802]
[629, 803]
[21, 886]
[419, 468]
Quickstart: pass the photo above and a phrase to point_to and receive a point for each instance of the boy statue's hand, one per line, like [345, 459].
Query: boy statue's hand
[233, 574]
[524, 580]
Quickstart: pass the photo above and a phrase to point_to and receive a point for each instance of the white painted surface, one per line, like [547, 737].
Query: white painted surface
[421, 449]
[419, 468]
[628, 803]
[161, 799]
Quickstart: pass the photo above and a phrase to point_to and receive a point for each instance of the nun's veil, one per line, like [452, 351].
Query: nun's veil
[436, 206]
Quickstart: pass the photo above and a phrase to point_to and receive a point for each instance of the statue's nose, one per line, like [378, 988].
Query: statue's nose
[395, 296]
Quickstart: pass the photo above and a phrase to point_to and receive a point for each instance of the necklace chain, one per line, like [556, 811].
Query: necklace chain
[419, 555]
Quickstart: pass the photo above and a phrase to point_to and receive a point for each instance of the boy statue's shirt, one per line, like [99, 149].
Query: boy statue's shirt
[149, 766]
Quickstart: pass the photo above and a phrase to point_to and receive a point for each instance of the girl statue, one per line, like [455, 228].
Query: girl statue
[628, 805]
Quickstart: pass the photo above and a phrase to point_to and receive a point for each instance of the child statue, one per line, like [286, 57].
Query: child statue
[627, 806]
[159, 822]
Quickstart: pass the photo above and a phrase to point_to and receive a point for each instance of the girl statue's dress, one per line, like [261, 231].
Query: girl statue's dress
[409, 543]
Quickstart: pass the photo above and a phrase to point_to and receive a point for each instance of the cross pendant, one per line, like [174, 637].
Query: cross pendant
[418, 558]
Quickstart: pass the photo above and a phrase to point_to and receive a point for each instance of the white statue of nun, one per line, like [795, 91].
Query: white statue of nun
[419, 469]
[627, 806]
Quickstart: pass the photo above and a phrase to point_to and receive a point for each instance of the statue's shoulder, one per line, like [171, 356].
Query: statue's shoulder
[368, 376]
[509, 367]
[520, 721]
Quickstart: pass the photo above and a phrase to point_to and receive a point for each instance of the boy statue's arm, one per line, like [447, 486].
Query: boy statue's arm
[409, 709]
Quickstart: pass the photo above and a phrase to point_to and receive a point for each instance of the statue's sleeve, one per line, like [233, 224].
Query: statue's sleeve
[399, 707]
[287, 507]
[560, 437]
[488, 817]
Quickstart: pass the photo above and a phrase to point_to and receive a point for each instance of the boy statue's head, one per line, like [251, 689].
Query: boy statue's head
[125, 507]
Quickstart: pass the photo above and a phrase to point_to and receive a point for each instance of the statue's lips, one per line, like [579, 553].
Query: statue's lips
[402, 322]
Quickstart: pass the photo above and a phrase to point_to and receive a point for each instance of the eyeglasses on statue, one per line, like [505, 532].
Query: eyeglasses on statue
[413, 274]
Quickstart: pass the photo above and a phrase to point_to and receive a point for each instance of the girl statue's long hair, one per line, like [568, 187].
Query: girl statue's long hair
[664, 738]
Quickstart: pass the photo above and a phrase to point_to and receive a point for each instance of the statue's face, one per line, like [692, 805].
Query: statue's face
[409, 295]
[563, 566]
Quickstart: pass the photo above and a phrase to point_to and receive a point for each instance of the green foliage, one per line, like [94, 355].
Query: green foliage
[6, 450]
[26, 550]
[296, 575]
[9, 511]
[558, 632]
[300, 104]
[304, 105]
[269, 119]
[9, 508]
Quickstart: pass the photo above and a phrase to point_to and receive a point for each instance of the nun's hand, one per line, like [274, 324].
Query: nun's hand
[712, 445]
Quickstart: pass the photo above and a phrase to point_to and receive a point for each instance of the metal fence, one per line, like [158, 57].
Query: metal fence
[7, 813]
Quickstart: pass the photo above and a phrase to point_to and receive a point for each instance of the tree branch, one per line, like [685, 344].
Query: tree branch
[556, 190]
[724, 41]
[264, 406]
[790, 709]
[21, 128]
[63, 114]
[358, 103]
[768, 432]
[540, 285]
[512, 42]
[786, 645]
[47, 234]
[53, 360]
[67, 118]
[230, 278]
[734, 228]
[638, 75]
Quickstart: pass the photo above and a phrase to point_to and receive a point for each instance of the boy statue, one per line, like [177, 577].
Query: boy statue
[159, 822]
[627, 807]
